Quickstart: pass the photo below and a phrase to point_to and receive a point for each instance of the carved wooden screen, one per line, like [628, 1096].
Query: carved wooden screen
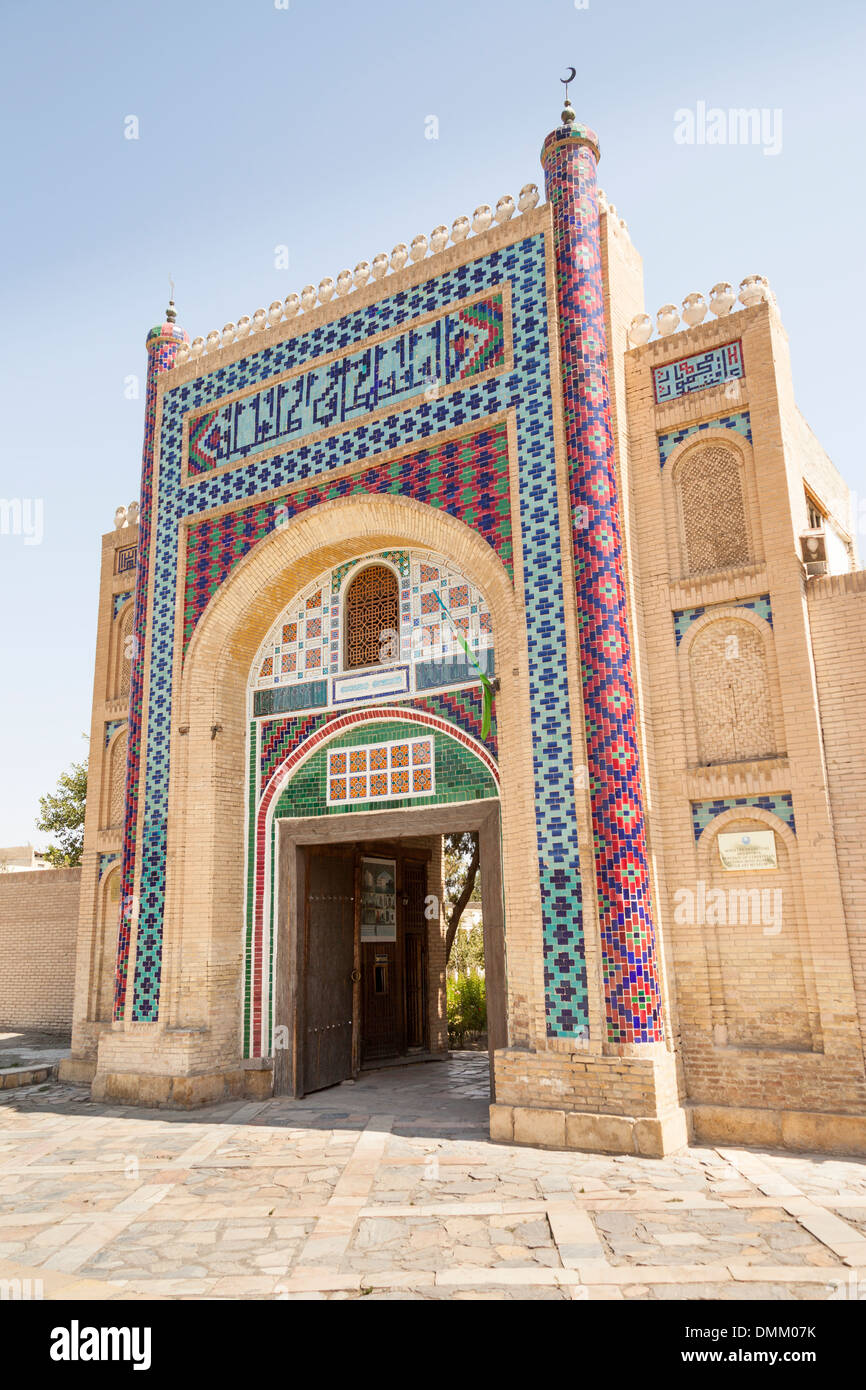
[372, 608]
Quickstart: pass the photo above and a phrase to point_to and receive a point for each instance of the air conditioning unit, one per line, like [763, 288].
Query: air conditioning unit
[813, 545]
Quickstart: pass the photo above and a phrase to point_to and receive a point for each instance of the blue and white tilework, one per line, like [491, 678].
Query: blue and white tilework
[527, 390]
[780, 804]
[739, 422]
[712, 368]
[684, 617]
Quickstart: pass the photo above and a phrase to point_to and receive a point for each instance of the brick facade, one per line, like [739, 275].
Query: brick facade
[624, 524]
[38, 927]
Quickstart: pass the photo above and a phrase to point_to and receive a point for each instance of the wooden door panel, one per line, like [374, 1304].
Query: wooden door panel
[330, 960]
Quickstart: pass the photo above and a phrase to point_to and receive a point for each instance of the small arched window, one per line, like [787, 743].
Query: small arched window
[372, 617]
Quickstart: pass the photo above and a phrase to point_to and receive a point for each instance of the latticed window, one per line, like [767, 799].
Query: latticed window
[372, 616]
[713, 511]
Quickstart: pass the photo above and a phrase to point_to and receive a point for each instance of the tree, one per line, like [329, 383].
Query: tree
[461, 857]
[62, 814]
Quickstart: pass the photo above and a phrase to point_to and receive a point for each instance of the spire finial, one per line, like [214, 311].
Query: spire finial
[171, 312]
[567, 116]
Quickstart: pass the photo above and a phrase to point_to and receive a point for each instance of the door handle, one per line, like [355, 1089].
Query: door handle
[355, 976]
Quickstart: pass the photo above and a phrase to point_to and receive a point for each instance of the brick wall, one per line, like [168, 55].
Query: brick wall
[38, 924]
[837, 612]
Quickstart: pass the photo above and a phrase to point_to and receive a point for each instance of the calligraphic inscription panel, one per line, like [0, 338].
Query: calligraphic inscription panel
[426, 358]
[689, 374]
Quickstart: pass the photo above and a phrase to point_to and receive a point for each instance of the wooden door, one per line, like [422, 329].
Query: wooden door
[328, 966]
[415, 951]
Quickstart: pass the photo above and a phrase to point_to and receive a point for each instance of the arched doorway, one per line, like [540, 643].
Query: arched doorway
[346, 961]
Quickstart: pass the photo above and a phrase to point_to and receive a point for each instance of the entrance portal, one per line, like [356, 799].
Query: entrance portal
[360, 960]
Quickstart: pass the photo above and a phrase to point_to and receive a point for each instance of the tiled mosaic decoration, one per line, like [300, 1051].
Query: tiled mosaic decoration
[277, 738]
[105, 862]
[711, 368]
[632, 993]
[126, 559]
[381, 771]
[439, 353]
[463, 771]
[119, 601]
[465, 476]
[740, 422]
[781, 805]
[684, 617]
[111, 729]
[162, 345]
[305, 643]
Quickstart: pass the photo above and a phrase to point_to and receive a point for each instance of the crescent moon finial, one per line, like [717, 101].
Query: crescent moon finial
[568, 112]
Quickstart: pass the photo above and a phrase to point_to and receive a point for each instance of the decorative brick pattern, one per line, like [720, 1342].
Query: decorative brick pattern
[731, 693]
[713, 511]
[632, 991]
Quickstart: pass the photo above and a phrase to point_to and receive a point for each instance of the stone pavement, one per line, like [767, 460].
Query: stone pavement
[388, 1187]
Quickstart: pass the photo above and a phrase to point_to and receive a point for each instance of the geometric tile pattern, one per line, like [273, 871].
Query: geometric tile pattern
[112, 728]
[464, 477]
[381, 771]
[780, 804]
[740, 422]
[467, 477]
[711, 368]
[449, 349]
[684, 617]
[305, 642]
[105, 862]
[119, 601]
[462, 708]
[631, 981]
[162, 344]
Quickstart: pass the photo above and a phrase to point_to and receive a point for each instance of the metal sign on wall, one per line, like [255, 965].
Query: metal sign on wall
[752, 849]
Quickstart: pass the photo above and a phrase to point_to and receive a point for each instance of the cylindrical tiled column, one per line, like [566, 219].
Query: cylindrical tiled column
[631, 976]
[163, 342]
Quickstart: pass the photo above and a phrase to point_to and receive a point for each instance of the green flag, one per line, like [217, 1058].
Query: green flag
[486, 687]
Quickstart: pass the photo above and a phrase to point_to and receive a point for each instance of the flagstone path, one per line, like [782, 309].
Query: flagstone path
[389, 1187]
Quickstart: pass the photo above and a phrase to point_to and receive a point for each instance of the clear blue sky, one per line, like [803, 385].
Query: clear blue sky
[306, 127]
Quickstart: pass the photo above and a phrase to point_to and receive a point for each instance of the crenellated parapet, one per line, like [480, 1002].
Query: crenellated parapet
[723, 299]
[421, 246]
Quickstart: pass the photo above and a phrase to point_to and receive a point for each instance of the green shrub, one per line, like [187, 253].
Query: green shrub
[467, 1008]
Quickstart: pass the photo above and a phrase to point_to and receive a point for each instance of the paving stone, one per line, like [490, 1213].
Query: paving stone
[317, 1197]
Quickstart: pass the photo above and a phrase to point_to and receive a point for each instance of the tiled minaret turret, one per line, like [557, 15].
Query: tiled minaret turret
[631, 975]
[162, 344]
